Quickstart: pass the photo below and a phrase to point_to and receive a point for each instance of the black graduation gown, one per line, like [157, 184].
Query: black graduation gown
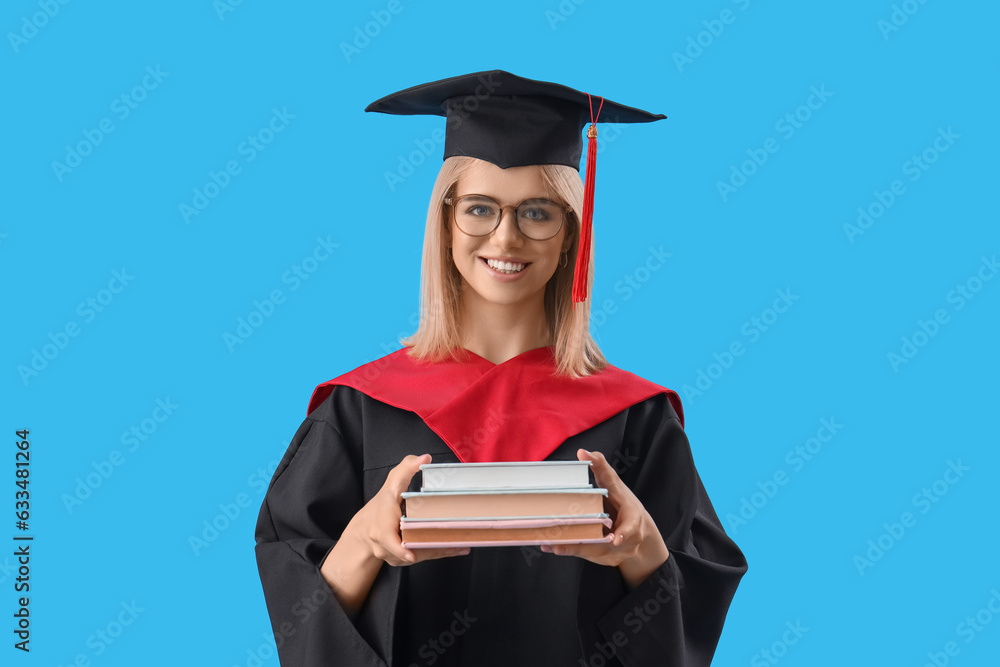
[498, 605]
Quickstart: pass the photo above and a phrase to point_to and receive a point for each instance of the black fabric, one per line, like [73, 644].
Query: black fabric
[498, 605]
[509, 120]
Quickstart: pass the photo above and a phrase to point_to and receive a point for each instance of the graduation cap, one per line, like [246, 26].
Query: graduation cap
[512, 122]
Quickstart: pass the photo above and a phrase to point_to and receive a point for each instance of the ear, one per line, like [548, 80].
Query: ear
[446, 227]
[567, 243]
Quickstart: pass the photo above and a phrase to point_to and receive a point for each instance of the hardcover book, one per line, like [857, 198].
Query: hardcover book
[504, 504]
[503, 532]
[525, 475]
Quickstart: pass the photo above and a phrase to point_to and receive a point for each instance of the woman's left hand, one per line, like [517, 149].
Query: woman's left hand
[637, 548]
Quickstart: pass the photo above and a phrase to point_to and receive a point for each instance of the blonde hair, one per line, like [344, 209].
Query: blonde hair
[438, 336]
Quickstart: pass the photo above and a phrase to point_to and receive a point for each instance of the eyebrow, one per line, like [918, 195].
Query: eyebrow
[494, 197]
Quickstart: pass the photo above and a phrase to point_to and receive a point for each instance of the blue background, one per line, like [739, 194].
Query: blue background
[888, 94]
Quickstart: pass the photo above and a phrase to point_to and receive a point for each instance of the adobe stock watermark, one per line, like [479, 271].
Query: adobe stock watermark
[88, 310]
[30, 25]
[121, 108]
[7, 568]
[714, 27]
[105, 636]
[435, 647]
[779, 649]
[786, 126]
[900, 14]
[967, 630]
[363, 35]
[223, 7]
[302, 610]
[230, 511]
[388, 347]
[628, 285]
[752, 330]
[373, 370]
[248, 149]
[621, 460]
[131, 440]
[927, 329]
[492, 422]
[635, 619]
[268, 648]
[459, 111]
[923, 500]
[563, 11]
[914, 167]
[295, 277]
[796, 459]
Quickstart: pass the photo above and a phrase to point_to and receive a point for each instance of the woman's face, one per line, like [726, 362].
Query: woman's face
[538, 259]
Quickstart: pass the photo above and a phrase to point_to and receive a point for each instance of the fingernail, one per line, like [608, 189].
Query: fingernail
[559, 551]
[546, 548]
[464, 552]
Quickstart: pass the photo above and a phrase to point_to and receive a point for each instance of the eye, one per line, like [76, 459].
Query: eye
[534, 214]
[479, 211]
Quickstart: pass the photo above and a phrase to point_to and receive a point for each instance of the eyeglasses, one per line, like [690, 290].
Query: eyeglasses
[479, 215]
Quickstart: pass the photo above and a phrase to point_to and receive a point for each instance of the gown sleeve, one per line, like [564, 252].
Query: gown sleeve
[315, 491]
[675, 616]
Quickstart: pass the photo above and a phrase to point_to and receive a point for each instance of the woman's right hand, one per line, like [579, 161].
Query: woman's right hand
[377, 523]
[372, 537]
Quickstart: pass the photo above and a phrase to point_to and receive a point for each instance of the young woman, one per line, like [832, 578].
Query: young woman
[502, 367]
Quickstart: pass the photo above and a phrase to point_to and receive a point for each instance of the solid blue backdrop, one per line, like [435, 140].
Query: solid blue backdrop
[201, 224]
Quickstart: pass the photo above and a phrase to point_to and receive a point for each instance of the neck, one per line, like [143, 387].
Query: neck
[499, 332]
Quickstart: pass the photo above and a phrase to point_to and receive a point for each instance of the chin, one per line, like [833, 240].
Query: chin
[503, 297]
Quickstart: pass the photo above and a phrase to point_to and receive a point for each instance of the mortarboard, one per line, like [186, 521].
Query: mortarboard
[512, 122]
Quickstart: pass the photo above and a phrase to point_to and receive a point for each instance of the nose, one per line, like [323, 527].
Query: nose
[507, 235]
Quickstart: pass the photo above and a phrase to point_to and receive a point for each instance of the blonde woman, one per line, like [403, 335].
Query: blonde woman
[501, 368]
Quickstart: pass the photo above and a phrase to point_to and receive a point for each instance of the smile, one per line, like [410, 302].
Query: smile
[505, 267]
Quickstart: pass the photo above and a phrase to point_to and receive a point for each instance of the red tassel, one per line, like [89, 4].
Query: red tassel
[586, 225]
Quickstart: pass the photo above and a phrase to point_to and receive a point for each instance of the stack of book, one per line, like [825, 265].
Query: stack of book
[504, 504]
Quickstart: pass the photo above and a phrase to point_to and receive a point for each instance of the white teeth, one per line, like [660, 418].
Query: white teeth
[504, 267]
